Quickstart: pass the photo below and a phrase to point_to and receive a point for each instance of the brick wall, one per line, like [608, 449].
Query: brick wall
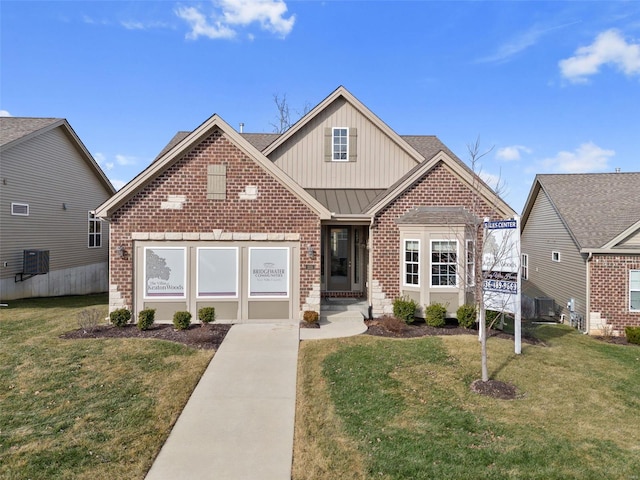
[276, 210]
[438, 188]
[609, 276]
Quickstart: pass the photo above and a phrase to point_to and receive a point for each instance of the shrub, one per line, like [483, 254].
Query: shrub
[181, 320]
[89, 318]
[207, 314]
[405, 309]
[310, 316]
[435, 315]
[466, 315]
[146, 318]
[120, 317]
[632, 334]
[490, 317]
[393, 324]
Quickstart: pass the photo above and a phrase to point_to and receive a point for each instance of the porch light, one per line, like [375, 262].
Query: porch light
[310, 251]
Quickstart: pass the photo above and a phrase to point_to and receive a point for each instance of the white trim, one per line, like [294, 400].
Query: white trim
[17, 204]
[144, 274]
[333, 145]
[92, 219]
[470, 246]
[456, 263]
[237, 271]
[404, 262]
[633, 290]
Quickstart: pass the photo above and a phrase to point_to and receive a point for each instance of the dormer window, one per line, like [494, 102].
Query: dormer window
[340, 151]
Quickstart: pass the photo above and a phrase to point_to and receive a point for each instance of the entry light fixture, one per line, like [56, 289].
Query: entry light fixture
[310, 251]
[121, 251]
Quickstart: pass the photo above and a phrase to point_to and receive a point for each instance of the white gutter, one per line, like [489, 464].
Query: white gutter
[588, 296]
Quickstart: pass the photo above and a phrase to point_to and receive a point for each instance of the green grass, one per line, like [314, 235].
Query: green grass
[405, 408]
[89, 409]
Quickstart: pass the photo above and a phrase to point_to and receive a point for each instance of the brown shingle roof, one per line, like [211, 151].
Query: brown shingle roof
[13, 128]
[596, 207]
[438, 216]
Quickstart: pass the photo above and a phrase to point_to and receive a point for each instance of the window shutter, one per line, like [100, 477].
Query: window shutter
[353, 144]
[328, 144]
[216, 182]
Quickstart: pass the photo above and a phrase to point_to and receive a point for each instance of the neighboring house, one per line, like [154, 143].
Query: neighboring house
[581, 247]
[265, 226]
[49, 185]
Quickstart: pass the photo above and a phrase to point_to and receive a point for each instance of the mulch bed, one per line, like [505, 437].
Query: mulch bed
[196, 336]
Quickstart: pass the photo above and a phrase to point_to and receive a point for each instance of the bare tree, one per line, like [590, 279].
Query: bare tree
[284, 120]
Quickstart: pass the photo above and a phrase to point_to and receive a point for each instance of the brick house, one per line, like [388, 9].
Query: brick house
[581, 247]
[265, 226]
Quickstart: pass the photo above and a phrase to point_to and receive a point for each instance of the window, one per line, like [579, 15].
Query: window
[268, 272]
[412, 262]
[555, 256]
[21, 209]
[634, 290]
[444, 263]
[95, 231]
[340, 150]
[525, 266]
[471, 268]
[217, 272]
[165, 273]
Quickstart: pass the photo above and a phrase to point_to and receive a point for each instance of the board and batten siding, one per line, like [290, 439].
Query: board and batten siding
[545, 233]
[379, 162]
[46, 172]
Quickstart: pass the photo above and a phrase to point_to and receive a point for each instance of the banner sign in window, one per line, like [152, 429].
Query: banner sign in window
[217, 272]
[165, 272]
[269, 272]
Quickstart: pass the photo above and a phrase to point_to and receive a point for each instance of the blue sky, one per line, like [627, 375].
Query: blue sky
[549, 87]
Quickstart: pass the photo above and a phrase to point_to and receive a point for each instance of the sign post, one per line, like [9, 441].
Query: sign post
[501, 271]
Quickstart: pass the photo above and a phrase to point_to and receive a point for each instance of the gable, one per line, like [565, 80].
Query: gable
[632, 240]
[378, 160]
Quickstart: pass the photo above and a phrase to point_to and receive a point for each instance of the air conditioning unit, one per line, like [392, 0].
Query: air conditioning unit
[35, 262]
[545, 307]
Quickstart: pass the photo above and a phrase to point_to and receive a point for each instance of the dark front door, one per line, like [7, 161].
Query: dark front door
[339, 259]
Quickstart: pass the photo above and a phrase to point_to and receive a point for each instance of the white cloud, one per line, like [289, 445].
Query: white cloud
[138, 25]
[4, 113]
[512, 152]
[230, 14]
[587, 158]
[490, 179]
[609, 48]
[126, 160]
[519, 43]
[117, 184]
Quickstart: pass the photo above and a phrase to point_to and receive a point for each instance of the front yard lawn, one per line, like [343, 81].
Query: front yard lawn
[85, 409]
[381, 408]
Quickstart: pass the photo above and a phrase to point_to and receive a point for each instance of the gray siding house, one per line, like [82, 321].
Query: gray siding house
[49, 185]
[581, 248]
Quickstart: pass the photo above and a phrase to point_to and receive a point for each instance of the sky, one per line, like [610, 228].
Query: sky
[542, 87]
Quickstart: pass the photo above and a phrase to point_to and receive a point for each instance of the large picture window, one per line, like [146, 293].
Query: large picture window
[217, 272]
[634, 290]
[165, 272]
[444, 263]
[269, 272]
[412, 263]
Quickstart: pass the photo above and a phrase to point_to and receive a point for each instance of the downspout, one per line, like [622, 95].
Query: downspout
[370, 267]
[588, 296]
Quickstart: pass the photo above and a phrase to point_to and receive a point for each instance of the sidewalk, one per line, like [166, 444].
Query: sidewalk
[238, 423]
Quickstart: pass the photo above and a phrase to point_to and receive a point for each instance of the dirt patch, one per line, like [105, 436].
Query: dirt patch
[494, 389]
[617, 341]
[196, 336]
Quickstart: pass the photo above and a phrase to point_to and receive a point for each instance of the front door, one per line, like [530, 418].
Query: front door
[339, 278]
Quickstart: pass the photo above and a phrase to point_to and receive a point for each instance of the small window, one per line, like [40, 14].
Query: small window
[340, 150]
[21, 209]
[444, 263]
[95, 231]
[412, 263]
[555, 256]
[525, 266]
[471, 273]
[634, 290]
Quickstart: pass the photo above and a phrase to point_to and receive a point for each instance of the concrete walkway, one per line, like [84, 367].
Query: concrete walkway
[238, 422]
